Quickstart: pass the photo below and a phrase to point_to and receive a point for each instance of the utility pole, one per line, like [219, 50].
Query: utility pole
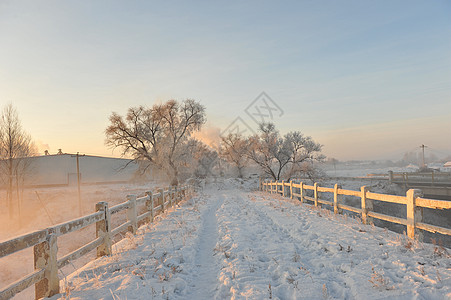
[423, 146]
[80, 212]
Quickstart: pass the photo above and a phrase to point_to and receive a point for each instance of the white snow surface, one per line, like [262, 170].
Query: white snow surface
[228, 242]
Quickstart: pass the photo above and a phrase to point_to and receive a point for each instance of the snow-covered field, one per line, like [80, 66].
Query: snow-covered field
[359, 171]
[231, 243]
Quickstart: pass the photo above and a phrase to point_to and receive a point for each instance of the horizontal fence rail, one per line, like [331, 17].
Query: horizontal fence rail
[44, 242]
[413, 201]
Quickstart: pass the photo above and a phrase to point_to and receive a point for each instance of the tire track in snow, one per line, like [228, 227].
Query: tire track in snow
[305, 244]
[204, 284]
[259, 253]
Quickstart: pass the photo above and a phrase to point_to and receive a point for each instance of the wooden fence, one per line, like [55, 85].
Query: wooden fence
[416, 178]
[413, 201]
[46, 263]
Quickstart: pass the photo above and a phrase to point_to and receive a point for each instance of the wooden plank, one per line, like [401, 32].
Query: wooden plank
[143, 216]
[387, 218]
[349, 192]
[22, 242]
[157, 208]
[433, 228]
[432, 203]
[21, 284]
[387, 198]
[63, 261]
[325, 202]
[325, 189]
[296, 195]
[119, 207]
[350, 208]
[309, 198]
[120, 228]
[309, 187]
[142, 200]
[76, 224]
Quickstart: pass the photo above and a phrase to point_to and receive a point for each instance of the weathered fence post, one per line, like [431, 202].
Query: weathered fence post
[171, 195]
[283, 188]
[291, 189]
[161, 191]
[131, 214]
[149, 206]
[336, 199]
[270, 186]
[367, 205]
[390, 176]
[103, 229]
[315, 190]
[176, 195]
[301, 191]
[45, 257]
[180, 194]
[414, 214]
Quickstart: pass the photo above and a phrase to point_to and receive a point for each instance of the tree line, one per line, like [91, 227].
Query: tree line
[162, 136]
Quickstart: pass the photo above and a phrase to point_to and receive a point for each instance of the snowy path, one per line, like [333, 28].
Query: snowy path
[231, 244]
[204, 282]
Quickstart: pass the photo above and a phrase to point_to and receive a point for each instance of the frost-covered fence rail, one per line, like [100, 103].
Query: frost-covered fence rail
[413, 201]
[44, 242]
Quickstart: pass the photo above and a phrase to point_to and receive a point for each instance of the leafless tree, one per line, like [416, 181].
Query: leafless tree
[282, 157]
[16, 146]
[234, 149]
[203, 159]
[158, 134]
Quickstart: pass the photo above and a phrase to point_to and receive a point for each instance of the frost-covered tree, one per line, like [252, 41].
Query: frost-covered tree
[234, 149]
[159, 134]
[282, 156]
[15, 147]
[205, 160]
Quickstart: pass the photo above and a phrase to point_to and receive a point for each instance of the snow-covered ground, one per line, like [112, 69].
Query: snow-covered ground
[231, 243]
[352, 170]
[355, 171]
[44, 207]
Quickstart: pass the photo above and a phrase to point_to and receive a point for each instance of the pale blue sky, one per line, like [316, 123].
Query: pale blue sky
[368, 79]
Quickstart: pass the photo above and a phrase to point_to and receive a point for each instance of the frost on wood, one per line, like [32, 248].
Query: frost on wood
[45, 257]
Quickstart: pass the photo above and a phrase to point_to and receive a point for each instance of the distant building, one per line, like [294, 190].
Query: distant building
[61, 169]
[447, 164]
